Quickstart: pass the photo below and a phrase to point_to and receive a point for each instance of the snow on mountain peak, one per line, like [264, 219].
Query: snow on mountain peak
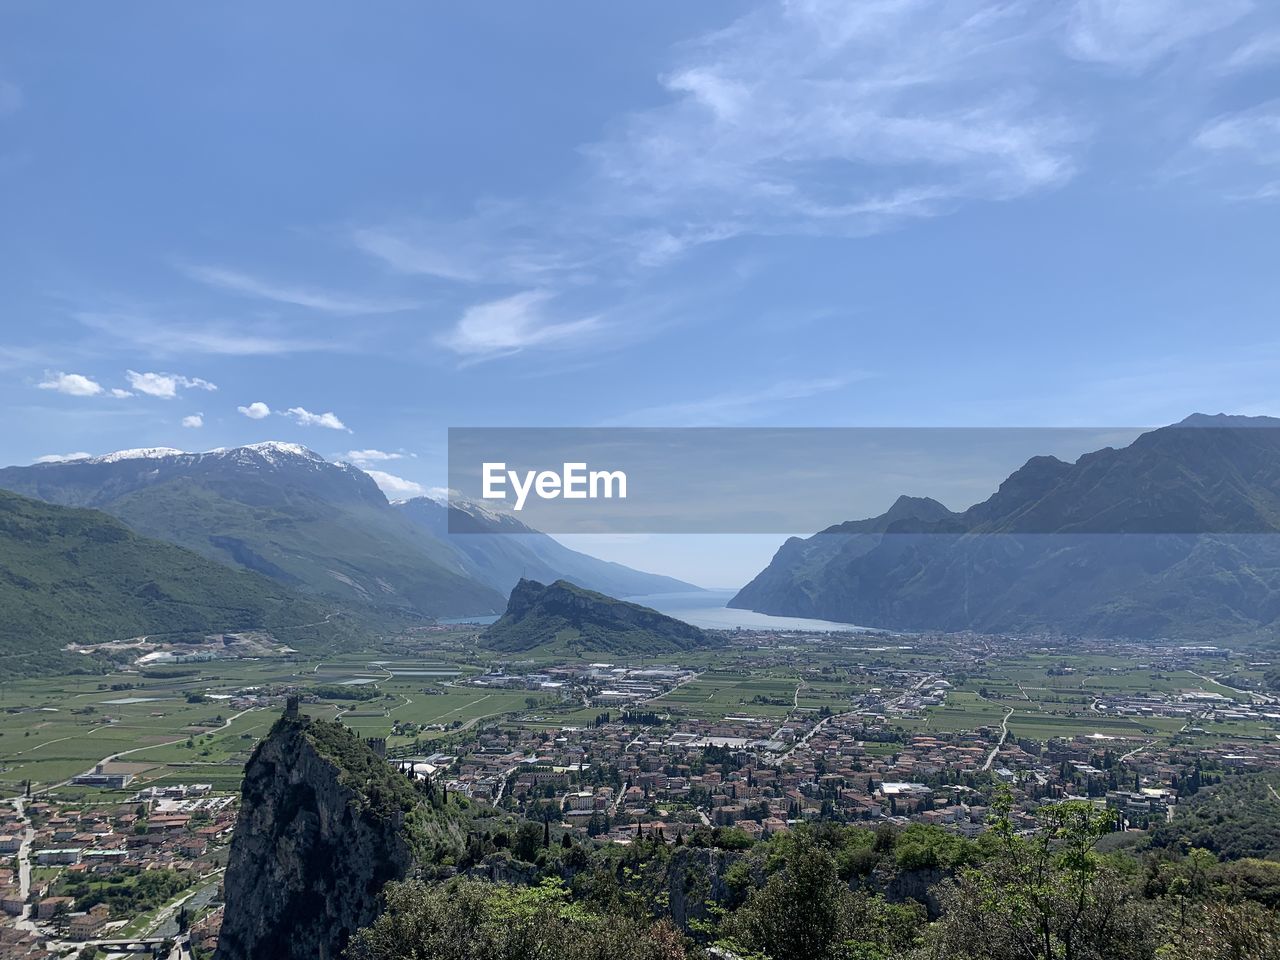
[273, 451]
[271, 448]
[139, 453]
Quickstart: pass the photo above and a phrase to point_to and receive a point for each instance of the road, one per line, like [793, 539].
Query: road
[781, 758]
[24, 922]
[1134, 753]
[1004, 733]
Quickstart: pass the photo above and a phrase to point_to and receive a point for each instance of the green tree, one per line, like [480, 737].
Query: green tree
[803, 912]
[1048, 896]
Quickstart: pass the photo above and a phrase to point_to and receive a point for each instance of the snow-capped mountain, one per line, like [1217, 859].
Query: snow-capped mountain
[276, 508]
[326, 528]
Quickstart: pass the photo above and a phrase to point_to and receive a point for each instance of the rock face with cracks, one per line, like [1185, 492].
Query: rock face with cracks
[320, 834]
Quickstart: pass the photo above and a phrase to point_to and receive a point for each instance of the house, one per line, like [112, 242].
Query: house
[50, 907]
[11, 901]
[86, 926]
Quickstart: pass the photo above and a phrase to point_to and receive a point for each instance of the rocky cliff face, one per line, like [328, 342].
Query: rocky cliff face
[320, 833]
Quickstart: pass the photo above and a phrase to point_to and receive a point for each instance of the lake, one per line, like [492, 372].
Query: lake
[706, 609]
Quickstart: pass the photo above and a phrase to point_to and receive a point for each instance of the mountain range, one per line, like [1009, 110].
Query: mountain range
[69, 574]
[320, 528]
[562, 617]
[1173, 535]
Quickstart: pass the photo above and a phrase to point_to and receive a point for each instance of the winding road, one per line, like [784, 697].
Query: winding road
[1004, 734]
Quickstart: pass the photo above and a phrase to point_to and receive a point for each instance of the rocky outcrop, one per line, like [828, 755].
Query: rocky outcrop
[695, 880]
[320, 833]
[562, 614]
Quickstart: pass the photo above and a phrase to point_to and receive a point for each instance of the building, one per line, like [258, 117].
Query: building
[86, 926]
[99, 777]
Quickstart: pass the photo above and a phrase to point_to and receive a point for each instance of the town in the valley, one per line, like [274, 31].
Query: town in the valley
[122, 794]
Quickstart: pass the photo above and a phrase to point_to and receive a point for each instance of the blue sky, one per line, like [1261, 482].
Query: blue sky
[372, 223]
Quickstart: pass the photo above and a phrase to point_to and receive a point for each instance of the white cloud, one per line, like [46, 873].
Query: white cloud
[372, 456]
[306, 418]
[120, 393]
[242, 283]
[733, 407]
[256, 410]
[195, 420]
[62, 457]
[72, 384]
[1135, 33]
[165, 385]
[396, 487]
[510, 324]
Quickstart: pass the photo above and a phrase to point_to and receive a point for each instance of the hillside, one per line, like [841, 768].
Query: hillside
[563, 616]
[279, 510]
[74, 575]
[498, 550]
[1171, 536]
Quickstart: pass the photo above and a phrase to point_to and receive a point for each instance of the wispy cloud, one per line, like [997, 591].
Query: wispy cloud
[1242, 150]
[167, 337]
[165, 385]
[62, 457]
[1136, 33]
[513, 323]
[12, 358]
[242, 283]
[306, 418]
[724, 409]
[815, 117]
[1258, 51]
[71, 384]
[194, 421]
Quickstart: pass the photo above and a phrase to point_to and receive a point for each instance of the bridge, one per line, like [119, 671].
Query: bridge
[152, 945]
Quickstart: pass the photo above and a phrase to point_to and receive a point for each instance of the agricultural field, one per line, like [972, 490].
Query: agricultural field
[189, 723]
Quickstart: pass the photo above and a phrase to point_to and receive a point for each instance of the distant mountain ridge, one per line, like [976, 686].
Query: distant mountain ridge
[498, 550]
[1172, 535]
[323, 528]
[562, 616]
[76, 575]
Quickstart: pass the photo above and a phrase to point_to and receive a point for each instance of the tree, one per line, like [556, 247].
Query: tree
[801, 913]
[528, 841]
[1049, 896]
[1229, 931]
[475, 920]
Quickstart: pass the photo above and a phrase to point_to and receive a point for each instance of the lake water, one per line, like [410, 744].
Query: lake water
[706, 609]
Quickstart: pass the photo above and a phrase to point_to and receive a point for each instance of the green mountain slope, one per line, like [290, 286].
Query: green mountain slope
[563, 616]
[279, 510]
[74, 575]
